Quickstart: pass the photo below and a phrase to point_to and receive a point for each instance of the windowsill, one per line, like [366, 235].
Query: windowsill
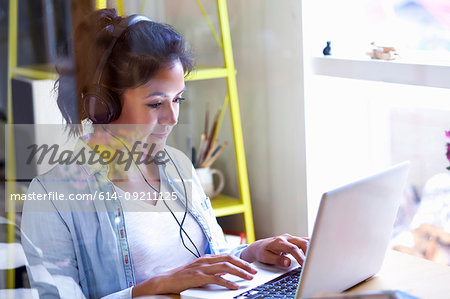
[435, 73]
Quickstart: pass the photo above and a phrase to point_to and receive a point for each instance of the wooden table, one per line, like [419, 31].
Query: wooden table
[403, 272]
[416, 276]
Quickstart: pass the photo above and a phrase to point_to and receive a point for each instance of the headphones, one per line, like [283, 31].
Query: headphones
[99, 103]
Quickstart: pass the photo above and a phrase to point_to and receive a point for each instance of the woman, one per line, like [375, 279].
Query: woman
[130, 80]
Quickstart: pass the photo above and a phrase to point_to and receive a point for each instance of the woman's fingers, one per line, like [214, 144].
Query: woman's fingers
[183, 279]
[271, 258]
[285, 246]
[301, 243]
[210, 268]
[226, 267]
[219, 280]
[276, 249]
[214, 259]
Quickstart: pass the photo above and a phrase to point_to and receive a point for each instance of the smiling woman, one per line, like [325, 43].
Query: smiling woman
[147, 228]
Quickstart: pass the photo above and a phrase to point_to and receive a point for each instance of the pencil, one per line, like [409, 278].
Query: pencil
[210, 153]
[214, 152]
[200, 148]
[214, 157]
[212, 132]
[203, 151]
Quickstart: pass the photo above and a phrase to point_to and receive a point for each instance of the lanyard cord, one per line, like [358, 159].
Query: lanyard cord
[197, 254]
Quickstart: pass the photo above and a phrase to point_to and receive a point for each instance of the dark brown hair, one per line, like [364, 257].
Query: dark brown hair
[143, 49]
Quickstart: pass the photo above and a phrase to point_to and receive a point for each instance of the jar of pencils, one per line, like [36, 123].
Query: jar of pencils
[205, 155]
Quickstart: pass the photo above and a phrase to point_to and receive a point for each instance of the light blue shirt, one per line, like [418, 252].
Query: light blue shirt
[79, 248]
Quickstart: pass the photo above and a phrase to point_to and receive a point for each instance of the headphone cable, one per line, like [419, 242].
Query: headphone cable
[170, 210]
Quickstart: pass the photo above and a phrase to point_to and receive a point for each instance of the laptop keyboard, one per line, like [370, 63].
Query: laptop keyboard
[284, 286]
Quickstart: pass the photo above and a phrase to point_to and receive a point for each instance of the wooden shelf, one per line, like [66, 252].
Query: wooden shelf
[204, 73]
[37, 72]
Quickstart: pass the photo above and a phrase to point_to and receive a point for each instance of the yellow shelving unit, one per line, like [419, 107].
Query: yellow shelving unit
[223, 205]
[10, 155]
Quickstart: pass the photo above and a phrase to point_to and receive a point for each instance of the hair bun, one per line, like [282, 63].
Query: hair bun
[107, 19]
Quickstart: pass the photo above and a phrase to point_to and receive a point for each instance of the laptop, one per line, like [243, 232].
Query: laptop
[349, 240]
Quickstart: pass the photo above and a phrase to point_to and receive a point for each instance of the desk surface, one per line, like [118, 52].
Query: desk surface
[410, 274]
[403, 272]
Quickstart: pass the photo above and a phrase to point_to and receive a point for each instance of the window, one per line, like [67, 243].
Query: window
[408, 25]
[363, 115]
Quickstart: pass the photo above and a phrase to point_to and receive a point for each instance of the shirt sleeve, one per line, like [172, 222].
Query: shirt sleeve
[49, 248]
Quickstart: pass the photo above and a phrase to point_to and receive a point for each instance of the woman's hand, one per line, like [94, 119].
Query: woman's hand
[207, 269]
[273, 250]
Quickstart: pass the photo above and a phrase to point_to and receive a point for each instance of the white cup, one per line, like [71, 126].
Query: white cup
[207, 182]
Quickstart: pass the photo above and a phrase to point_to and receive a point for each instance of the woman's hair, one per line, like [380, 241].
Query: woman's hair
[143, 48]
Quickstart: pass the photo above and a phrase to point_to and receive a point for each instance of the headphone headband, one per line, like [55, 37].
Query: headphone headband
[99, 103]
[119, 29]
[137, 18]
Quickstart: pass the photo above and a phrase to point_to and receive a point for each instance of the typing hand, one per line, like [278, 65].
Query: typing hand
[207, 269]
[274, 250]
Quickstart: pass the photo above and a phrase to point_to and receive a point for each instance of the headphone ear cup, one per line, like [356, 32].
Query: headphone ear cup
[100, 105]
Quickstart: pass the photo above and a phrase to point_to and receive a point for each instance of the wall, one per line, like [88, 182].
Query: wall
[269, 58]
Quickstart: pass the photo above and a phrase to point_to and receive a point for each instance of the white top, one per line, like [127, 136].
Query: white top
[154, 235]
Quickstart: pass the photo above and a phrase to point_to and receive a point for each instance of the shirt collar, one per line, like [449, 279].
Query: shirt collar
[88, 158]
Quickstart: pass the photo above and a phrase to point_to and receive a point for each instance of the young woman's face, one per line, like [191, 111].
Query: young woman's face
[155, 105]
